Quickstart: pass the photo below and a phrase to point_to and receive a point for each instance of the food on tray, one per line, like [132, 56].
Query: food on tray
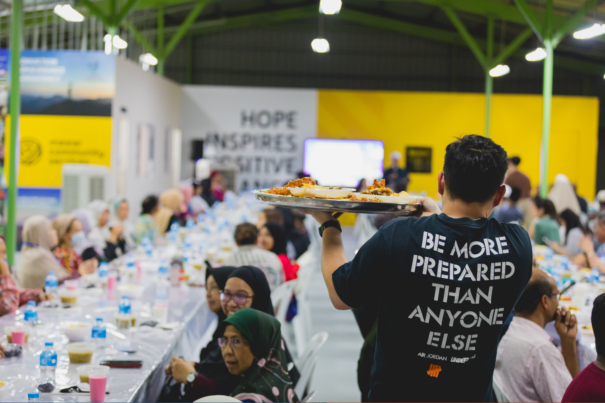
[278, 191]
[302, 182]
[378, 188]
[368, 199]
[587, 327]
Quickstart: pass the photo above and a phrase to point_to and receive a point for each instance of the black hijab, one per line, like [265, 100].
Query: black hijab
[211, 362]
[280, 238]
[256, 279]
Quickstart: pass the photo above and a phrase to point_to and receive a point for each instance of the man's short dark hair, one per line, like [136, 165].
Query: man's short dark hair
[149, 204]
[515, 194]
[598, 323]
[532, 295]
[474, 168]
[515, 160]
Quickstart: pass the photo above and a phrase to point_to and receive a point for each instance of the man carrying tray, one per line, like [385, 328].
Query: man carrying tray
[445, 282]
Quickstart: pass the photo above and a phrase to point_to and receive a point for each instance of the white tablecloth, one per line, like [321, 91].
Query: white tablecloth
[153, 345]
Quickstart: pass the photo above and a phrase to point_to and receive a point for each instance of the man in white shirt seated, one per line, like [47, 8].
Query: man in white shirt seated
[529, 368]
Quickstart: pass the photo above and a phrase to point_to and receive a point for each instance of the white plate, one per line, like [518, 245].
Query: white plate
[389, 199]
[330, 193]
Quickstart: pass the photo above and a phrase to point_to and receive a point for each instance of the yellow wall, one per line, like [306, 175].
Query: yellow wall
[402, 119]
[48, 142]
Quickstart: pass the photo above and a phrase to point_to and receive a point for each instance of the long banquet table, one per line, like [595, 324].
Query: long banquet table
[188, 312]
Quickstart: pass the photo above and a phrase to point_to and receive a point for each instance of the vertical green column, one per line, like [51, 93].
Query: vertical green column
[546, 110]
[549, 47]
[15, 111]
[160, 44]
[488, 79]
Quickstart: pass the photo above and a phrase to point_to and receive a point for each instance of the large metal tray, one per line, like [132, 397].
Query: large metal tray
[339, 206]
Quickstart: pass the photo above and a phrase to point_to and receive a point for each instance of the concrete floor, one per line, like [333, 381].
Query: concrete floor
[335, 377]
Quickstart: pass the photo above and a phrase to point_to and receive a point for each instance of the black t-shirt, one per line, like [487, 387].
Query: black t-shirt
[445, 288]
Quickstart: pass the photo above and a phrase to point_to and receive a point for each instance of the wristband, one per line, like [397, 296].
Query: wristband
[328, 224]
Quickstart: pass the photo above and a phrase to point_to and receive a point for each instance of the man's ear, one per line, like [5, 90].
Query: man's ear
[441, 183]
[499, 196]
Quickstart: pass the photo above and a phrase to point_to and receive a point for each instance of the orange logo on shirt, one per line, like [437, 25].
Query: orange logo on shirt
[434, 370]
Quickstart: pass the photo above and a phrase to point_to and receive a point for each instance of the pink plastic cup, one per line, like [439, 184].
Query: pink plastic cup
[98, 386]
[18, 336]
[111, 281]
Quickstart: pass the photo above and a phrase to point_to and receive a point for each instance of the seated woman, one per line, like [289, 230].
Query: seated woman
[121, 209]
[37, 260]
[272, 237]
[253, 349]
[11, 297]
[571, 234]
[545, 224]
[210, 375]
[70, 234]
[248, 253]
[170, 211]
[101, 235]
[145, 226]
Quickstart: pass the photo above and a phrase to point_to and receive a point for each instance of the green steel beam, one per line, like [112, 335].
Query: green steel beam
[160, 41]
[124, 11]
[512, 47]
[96, 11]
[446, 36]
[489, 81]
[546, 113]
[530, 18]
[468, 39]
[184, 27]
[573, 23]
[140, 38]
[15, 111]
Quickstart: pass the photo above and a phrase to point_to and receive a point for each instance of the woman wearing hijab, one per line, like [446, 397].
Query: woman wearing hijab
[71, 235]
[104, 237]
[210, 375]
[37, 259]
[145, 225]
[11, 297]
[563, 195]
[272, 237]
[253, 349]
[171, 201]
[120, 210]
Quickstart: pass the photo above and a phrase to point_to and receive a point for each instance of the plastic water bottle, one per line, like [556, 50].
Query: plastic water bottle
[131, 270]
[124, 313]
[48, 366]
[99, 333]
[51, 284]
[31, 313]
[124, 306]
[174, 227]
[190, 223]
[103, 273]
[594, 275]
[33, 397]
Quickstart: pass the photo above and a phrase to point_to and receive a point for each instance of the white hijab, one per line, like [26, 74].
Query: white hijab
[98, 235]
[563, 196]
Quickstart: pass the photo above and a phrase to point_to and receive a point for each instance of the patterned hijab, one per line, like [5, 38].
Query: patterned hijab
[267, 380]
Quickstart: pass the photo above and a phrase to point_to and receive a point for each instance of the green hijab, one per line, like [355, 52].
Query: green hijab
[267, 380]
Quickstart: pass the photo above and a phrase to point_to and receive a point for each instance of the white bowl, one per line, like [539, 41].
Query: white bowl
[327, 192]
[389, 199]
[76, 331]
[133, 291]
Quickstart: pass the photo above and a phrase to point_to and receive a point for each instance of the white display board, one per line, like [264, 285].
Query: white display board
[262, 130]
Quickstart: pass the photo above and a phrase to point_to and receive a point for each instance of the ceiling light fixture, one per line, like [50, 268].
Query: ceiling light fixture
[536, 55]
[320, 45]
[66, 12]
[499, 71]
[148, 58]
[591, 32]
[119, 42]
[330, 7]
